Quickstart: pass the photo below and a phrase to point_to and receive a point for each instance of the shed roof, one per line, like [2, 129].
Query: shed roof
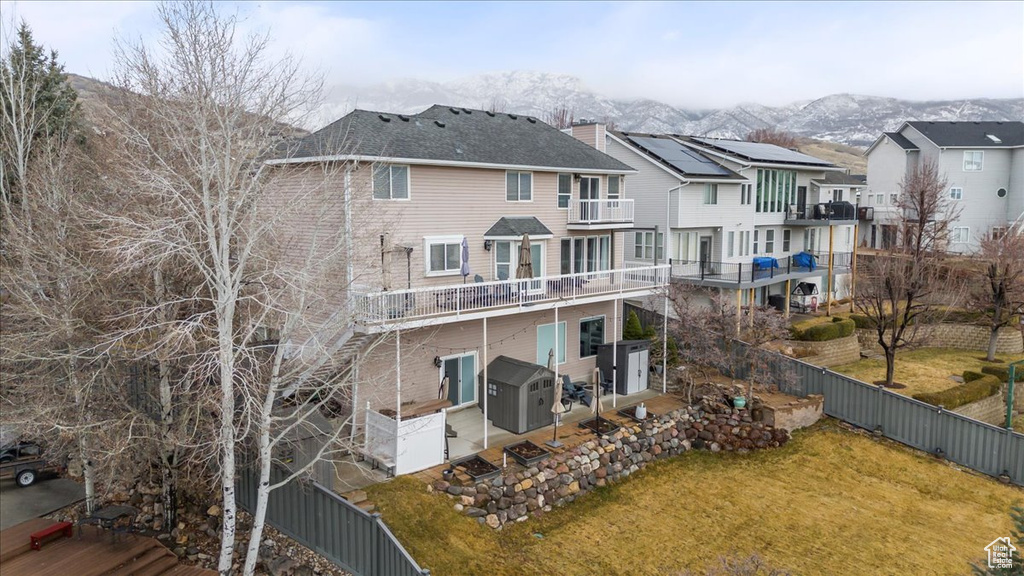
[515, 372]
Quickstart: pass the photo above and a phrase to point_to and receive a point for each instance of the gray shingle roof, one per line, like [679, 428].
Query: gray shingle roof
[972, 134]
[759, 152]
[514, 372]
[516, 226]
[901, 141]
[838, 179]
[460, 135]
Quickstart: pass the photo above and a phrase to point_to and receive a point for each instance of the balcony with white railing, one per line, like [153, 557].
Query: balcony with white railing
[416, 307]
[600, 214]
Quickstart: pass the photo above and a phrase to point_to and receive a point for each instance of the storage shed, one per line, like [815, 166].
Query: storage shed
[519, 394]
[630, 367]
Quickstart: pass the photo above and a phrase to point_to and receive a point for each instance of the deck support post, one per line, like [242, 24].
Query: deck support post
[828, 295]
[786, 312]
[615, 354]
[483, 388]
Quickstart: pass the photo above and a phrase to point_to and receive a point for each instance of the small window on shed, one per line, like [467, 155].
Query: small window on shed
[548, 383]
[534, 386]
[492, 389]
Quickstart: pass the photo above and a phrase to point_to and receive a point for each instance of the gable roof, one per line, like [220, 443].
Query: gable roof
[901, 141]
[448, 135]
[671, 154]
[516, 226]
[971, 134]
[759, 152]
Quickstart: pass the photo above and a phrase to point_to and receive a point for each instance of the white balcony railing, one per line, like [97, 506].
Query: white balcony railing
[449, 303]
[600, 211]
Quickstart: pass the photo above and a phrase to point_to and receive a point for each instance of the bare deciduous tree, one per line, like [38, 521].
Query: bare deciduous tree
[998, 288]
[560, 117]
[773, 136]
[905, 286]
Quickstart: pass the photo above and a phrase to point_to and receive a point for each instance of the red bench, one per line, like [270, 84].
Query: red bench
[36, 538]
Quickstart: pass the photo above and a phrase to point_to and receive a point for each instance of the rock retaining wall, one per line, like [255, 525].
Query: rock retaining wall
[959, 336]
[520, 493]
[831, 352]
[991, 410]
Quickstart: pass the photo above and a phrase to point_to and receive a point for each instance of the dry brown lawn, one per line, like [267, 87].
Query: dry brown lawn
[924, 370]
[832, 501]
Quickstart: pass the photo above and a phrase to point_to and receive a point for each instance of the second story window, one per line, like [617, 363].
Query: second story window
[973, 160]
[614, 182]
[564, 190]
[444, 255]
[961, 234]
[391, 182]
[892, 198]
[519, 186]
[746, 193]
[956, 193]
[711, 193]
[837, 194]
[786, 237]
[769, 241]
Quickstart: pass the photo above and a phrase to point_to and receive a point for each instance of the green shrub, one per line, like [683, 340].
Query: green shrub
[838, 328]
[862, 321]
[632, 330]
[1001, 372]
[971, 375]
[957, 396]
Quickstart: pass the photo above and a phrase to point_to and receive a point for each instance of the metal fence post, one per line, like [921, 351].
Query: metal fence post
[939, 433]
[376, 548]
[879, 406]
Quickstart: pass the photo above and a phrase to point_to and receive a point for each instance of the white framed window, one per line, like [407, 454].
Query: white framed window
[746, 191]
[973, 160]
[837, 194]
[643, 245]
[591, 336]
[546, 343]
[506, 258]
[685, 246]
[518, 186]
[564, 190]
[998, 232]
[585, 254]
[755, 241]
[892, 198]
[391, 182]
[786, 237]
[443, 254]
[956, 193]
[614, 187]
[769, 241]
[745, 243]
[879, 199]
[729, 247]
[961, 235]
[711, 193]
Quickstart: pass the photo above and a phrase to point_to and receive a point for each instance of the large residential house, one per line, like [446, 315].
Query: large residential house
[738, 213]
[440, 204]
[982, 162]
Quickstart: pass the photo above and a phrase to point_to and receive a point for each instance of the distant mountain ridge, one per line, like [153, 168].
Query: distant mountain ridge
[842, 118]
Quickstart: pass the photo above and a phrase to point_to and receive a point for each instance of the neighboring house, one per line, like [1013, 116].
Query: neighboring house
[449, 183]
[982, 162]
[729, 204]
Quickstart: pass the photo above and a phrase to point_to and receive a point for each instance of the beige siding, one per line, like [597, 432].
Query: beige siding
[514, 336]
[590, 134]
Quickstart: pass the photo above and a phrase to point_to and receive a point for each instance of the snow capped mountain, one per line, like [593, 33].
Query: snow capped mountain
[843, 118]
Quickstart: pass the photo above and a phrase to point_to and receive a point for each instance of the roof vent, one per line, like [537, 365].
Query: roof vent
[467, 110]
[383, 117]
[993, 138]
[454, 110]
[403, 117]
[489, 113]
[439, 123]
[513, 116]
[531, 119]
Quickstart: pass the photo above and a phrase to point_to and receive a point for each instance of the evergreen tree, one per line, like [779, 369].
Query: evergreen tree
[37, 103]
[632, 330]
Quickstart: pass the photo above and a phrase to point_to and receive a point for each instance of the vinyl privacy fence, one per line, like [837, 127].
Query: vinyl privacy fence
[976, 445]
[318, 518]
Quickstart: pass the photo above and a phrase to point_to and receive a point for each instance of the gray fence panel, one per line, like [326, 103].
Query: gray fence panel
[968, 442]
[318, 518]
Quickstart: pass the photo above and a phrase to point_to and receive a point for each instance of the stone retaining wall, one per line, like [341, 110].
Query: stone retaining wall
[991, 410]
[959, 336]
[521, 492]
[831, 352]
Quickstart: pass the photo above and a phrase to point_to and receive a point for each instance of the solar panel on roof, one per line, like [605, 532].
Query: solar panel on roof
[762, 151]
[679, 156]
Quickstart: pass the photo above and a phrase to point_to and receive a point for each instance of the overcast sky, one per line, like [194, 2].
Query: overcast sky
[686, 54]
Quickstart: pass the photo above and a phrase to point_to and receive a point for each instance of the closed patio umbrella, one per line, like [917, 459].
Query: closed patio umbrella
[465, 259]
[525, 266]
[385, 260]
[557, 408]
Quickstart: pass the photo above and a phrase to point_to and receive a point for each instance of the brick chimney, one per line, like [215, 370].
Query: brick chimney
[589, 132]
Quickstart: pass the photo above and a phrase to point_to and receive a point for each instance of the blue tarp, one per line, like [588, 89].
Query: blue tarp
[805, 260]
[765, 263]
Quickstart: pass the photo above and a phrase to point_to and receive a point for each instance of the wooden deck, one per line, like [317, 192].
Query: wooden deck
[93, 552]
[570, 435]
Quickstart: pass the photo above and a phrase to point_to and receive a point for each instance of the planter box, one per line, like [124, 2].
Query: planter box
[630, 413]
[526, 453]
[599, 425]
[477, 468]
